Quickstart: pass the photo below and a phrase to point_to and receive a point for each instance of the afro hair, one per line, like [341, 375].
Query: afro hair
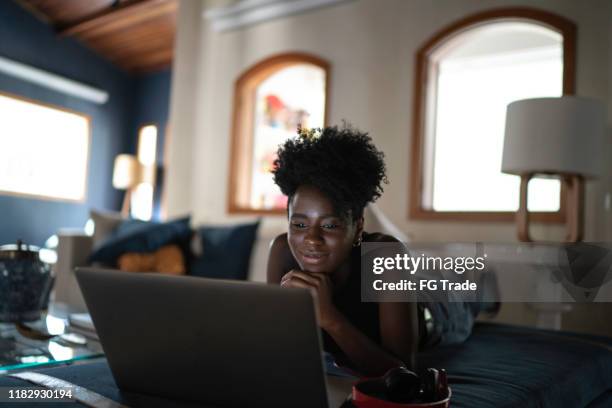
[343, 163]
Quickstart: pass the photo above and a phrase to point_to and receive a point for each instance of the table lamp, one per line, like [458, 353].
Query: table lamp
[127, 175]
[555, 136]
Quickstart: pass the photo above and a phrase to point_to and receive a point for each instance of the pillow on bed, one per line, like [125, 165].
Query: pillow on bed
[168, 259]
[223, 251]
[141, 237]
[129, 225]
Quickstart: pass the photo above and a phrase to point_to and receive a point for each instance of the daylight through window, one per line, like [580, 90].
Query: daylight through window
[476, 80]
[43, 150]
[469, 78]
[275, 97]
[142, 197]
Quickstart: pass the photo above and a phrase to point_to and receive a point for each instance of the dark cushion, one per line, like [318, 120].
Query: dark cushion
[130, 225]
[225, 251]
[141, 237]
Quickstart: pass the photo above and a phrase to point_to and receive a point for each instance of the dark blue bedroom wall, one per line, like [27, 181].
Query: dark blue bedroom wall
[25, 39]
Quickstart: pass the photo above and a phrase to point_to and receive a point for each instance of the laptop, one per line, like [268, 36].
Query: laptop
[216, 342]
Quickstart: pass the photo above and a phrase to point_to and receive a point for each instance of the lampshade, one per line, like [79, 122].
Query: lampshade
[554, 135]
[126, 172]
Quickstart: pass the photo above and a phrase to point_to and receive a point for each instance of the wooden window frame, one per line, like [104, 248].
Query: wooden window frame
[243, 115]
[563, 26]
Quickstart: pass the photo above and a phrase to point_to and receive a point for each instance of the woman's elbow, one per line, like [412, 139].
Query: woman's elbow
[404, 349]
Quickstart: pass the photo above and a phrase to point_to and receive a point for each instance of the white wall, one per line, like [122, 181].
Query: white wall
[371, 46]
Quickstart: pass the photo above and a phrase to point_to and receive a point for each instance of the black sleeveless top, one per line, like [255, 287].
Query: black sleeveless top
[362, 315]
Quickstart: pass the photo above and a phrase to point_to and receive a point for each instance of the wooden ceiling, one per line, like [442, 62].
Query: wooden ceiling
[136, 35]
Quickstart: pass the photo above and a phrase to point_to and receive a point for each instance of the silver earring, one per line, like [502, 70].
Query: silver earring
[358, 242]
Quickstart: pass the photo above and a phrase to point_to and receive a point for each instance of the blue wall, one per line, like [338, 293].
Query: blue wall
[25, 39]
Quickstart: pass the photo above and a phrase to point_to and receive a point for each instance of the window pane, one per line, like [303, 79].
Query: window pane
[142, 202]
[147, 145]
[291, 96]
[142, 196]
[478, 75]
[43, 151]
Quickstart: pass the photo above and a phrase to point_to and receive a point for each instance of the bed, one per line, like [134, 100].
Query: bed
[499, 366]
[510, 366]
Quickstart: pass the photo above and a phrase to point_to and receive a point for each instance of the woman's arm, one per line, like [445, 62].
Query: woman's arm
[399, 330]
[398, 321]
[280, 260]
[367, 357]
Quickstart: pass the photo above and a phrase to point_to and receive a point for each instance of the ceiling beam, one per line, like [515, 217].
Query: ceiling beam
[128, 13]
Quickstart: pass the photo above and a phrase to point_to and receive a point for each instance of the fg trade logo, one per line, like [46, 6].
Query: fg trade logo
[584, 268]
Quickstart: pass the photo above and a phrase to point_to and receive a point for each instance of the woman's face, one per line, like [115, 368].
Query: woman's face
[320, 240]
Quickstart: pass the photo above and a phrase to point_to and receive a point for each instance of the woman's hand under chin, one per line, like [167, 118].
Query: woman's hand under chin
[321, 285]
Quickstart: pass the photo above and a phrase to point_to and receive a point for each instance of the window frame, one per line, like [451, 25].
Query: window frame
[87, 118]
[243, 115]
[563, 26]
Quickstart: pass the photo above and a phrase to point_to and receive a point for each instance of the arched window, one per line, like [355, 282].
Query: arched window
[466, 75]
[271, 99]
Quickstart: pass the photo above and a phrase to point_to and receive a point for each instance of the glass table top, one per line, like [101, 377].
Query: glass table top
[21, 349]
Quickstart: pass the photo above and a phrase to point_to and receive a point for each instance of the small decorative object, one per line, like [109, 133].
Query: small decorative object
[309, 134]
[25, 283]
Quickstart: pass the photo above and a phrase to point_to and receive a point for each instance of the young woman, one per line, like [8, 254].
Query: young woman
[329, 177]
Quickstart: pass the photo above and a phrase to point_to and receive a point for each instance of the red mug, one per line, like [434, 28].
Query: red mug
[362, 400]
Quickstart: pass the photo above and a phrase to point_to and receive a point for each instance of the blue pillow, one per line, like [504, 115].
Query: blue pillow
[226, 251]
[141, 237]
